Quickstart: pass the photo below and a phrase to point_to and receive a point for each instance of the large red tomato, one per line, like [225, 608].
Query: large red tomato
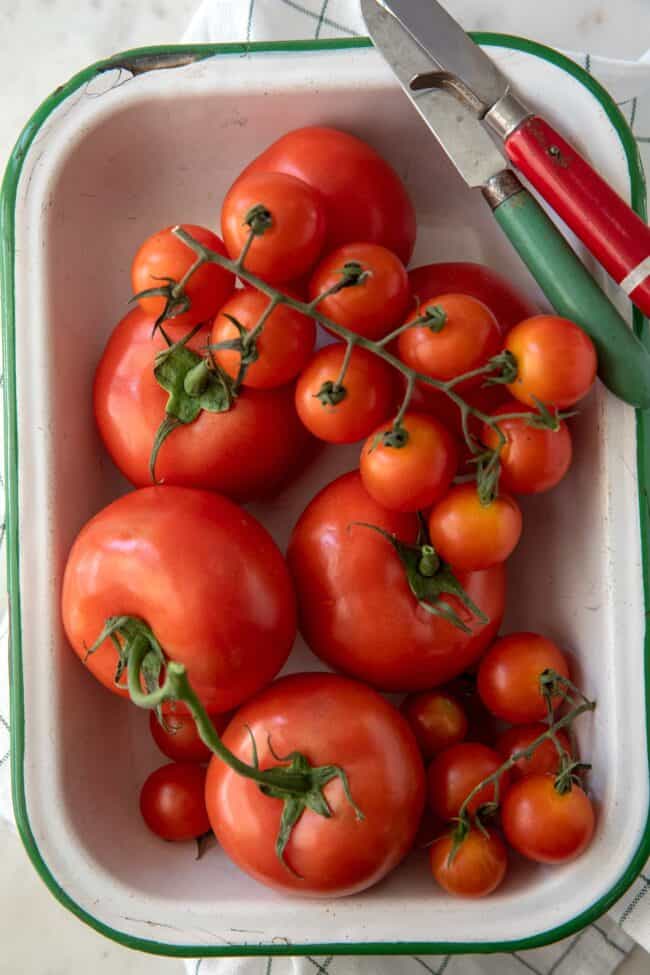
[332, 721]
[201, 572]
[357, 611]
[246, 452]
[364, 197]
[508, 305]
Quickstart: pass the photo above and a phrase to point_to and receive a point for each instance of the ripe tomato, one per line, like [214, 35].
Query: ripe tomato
[470, 535]
[478, 867]
[180, 740]
[415, 475]
[247, 452]
[374, 306]
[294, 239]
[532, 459]
[357, 612]
[437, 720]
[508, 305]
[545, 825]
[455, 772]
[162, 256]
[364, 197]
[283, 347]
[333, 721]
[369, 394]
[545, 757]
[206, 577]
[556, 361]
[172, 802]
[508, 676]
[467, 339]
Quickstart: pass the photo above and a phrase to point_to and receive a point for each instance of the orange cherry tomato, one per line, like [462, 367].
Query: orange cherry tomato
[374, 306]
[412, 476]
[470, 535]
[533, 459]
[556, 361]
[509, 673]
[545, 825]
[437, 720]
[292, 243]
[163, 256]
[368, 399]
[545, 758]
[456, 771]
[468, 337]
[477, 868]
[283, 347]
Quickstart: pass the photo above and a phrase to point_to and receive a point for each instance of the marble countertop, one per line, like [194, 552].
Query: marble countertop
[47, 41]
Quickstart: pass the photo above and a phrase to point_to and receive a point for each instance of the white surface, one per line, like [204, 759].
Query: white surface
[60, 43]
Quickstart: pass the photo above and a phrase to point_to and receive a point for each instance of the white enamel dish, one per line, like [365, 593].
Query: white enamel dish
[156, 137]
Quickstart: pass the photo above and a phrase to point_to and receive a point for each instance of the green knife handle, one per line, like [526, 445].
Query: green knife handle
[623, 361]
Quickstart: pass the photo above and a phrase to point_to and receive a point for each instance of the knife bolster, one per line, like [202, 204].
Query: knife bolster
[500, 188]
[506, 115]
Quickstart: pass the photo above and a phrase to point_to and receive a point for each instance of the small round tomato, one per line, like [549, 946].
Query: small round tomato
[507, 304]
[172, 802]
[544, 824]
[368, 396]
[466, 339]
[294, 217]
[364, 197]
[544, 759]
[179, 739]
[332, 721]
[437, 720]
[283, 347]
[415, 474]
[556, 361]
[456, 771]
[470, 535]
[163, 256]
[374, 306]
[509, 676]
[533, 459]
[477, 868]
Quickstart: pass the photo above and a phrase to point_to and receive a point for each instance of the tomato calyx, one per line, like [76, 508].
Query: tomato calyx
[505, 368]
[430, 579]
[176, 301]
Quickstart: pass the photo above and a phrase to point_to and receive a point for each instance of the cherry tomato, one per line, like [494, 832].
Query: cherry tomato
[374, 306]
[333, 721]
[509, 673]
[556, 361]
[179, 739]
[357, 611]
[294, 239]
[283, 347]
[543, 824]
[482, 726]
[545, 757]
[455, 772]
[369, 394]
[477, 868]
[412, 476]
[468, 337]
[532, 459]
[508, 305]
[250, 451]
[163, 256]
[437, 720]
[204, 574]
[172, 802]
[470, 535]
[364, 197]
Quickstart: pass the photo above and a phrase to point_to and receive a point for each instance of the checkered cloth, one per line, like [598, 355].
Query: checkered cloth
[598, 949]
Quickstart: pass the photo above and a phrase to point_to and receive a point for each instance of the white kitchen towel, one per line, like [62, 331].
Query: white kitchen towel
[598, 949]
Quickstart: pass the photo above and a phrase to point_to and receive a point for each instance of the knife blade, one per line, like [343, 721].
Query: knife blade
[624, 362]
[609, 228]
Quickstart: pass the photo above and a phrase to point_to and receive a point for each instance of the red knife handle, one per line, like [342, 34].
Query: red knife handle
[602, 220]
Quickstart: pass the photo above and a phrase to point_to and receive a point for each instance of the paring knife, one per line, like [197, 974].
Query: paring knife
[624, 362]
